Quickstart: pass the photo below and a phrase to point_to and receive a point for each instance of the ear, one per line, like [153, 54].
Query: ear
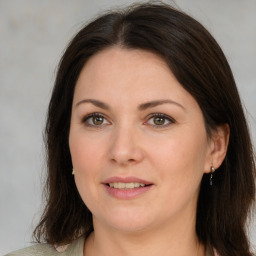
[218, 144]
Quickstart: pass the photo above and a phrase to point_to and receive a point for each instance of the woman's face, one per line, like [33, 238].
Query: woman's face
[138, 142]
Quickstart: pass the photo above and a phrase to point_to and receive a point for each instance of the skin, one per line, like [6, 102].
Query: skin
[172, 153]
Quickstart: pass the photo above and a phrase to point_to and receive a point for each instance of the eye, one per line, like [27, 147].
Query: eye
[95, 119]
[160, 120]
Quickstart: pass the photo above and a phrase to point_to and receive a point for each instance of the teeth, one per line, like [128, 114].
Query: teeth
[121, 185]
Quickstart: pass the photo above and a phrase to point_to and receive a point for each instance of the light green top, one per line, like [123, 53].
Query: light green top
[73, 249]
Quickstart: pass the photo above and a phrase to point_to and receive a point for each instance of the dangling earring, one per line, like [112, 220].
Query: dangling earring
[211, 177]
[73, 171]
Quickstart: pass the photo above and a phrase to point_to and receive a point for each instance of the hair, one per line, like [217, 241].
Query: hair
[198, 63]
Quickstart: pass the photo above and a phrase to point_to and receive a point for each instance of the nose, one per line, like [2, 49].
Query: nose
[125, 146]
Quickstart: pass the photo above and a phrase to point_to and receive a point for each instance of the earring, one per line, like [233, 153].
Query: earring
[73, 171]
[211, 177]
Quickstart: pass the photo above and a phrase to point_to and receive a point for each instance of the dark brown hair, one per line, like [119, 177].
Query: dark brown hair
[200, 66]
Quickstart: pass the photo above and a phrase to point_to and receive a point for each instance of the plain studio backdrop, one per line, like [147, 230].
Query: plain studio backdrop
[33, 35]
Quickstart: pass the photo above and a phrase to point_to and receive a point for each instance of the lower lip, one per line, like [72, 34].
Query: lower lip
[127, 193]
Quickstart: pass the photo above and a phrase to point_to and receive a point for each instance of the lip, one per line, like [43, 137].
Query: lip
[126, 180]
[125, 194]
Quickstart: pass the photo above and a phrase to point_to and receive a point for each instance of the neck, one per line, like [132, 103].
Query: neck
[180, 240]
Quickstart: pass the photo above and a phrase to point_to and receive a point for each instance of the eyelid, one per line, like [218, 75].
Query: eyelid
[94, 114]
[167, 117]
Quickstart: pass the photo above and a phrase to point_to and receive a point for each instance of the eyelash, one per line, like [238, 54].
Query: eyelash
[86, 118]
[165, 117]
[155, 115]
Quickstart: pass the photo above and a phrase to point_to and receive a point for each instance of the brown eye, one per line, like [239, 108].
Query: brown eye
[95, 120]
[159, 120]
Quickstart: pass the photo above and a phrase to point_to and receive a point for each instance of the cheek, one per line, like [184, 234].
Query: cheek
[179, 163]
[86, 151]
[181, 158]
[86, 157]
[85, 161]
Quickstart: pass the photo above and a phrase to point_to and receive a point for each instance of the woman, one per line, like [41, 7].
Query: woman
[146, 115]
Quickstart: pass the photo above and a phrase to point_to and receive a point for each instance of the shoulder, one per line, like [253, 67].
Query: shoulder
[37, 250]
[73, 249]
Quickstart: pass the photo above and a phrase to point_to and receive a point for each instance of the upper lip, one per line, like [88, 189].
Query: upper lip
[130, 179]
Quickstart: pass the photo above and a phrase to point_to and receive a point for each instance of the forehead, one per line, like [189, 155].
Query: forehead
[132, 62]
[119, 75]
[118, 66]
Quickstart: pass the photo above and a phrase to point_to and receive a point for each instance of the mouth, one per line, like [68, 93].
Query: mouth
[122, 185]
[126, 187]
[126, 182]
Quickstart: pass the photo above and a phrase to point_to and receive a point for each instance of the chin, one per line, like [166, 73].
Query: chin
[130, 226]
[128, 221]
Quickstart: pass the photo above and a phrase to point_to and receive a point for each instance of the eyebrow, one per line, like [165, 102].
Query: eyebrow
[96, 103]
[155, 103]
[141, 107]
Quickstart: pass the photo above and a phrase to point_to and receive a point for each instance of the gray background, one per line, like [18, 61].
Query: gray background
[33, 35]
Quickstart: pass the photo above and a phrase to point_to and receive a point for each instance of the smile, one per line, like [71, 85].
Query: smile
[127, 187]
[122, 185]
